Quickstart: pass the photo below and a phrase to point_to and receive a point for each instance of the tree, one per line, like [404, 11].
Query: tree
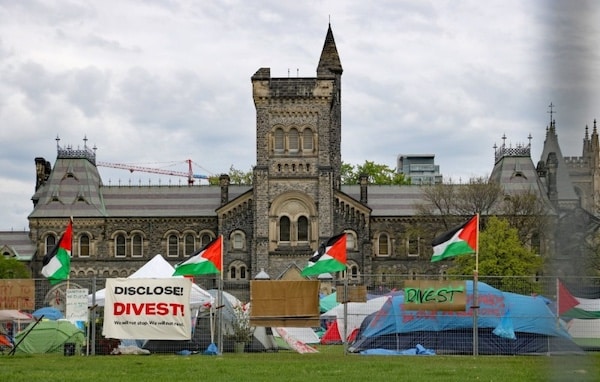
[527, 213]
[477, 197]
[446, 201]
[239, 177]
[501, 253]
[236, 177]
[380, 174]
[13, 269]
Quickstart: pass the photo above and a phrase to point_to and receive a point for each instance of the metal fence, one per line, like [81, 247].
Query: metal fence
[363, 323]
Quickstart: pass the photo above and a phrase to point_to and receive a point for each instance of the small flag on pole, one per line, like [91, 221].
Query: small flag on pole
[57, 263]
[566, 301]
[206, 261]
[330, 257]
[461, 240]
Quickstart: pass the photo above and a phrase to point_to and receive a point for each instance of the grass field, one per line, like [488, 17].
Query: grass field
[330, 364]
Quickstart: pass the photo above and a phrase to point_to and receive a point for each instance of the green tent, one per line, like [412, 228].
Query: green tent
[49, 337]
[328, 302]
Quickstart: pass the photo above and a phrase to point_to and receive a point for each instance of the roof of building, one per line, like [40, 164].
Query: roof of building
[564, 186]
[329, 62]
[17, 244]
[74, 189]
[385, 201]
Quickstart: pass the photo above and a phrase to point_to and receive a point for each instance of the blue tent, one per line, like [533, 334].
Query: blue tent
[523, 325]
[49, 313]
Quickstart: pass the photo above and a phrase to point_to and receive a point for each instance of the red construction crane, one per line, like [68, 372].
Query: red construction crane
[189, 174]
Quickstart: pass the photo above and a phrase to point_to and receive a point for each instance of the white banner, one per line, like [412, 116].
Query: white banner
[76, 307]
[149, 309]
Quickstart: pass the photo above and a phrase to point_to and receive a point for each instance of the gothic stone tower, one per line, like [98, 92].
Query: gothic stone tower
[298, 159]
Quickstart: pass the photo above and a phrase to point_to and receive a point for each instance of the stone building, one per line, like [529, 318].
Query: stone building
[296, 200]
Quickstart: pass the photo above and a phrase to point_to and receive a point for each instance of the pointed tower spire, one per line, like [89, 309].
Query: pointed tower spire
[329, 63]
[595, 147]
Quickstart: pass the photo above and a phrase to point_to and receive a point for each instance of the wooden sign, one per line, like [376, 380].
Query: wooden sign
[434, 295]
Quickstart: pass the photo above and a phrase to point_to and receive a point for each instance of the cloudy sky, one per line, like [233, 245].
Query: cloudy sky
[157, 82]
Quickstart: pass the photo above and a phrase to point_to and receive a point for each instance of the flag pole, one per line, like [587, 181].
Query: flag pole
[71, 245]
[557, 303]
[475, 305]
[345, 341]
[220, 300]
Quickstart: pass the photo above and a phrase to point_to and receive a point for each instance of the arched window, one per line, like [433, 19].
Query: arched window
[205, 239]
[383, 247]
[354, 275]
[189, 244]
[412, 245]
[84, 245]
[350, 240]
[238, 271]
[237, 241]
[302, 228]
[294, 143]
[279, 140]
[172, 246]
[137, 245]
[120, 246]
[50, 243]
[284, 229]
[307, 140]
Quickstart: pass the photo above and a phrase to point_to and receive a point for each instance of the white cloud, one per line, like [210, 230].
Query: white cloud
[164, 81]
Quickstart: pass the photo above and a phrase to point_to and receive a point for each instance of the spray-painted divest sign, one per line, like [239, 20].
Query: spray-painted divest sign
[435, 295]
[154, 309]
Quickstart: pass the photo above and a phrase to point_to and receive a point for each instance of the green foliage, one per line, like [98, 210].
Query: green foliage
[236, 177]
[501, 253]
[13, 269]
[379, 174]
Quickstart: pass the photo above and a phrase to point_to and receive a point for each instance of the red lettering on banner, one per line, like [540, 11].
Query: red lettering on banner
[149, 309]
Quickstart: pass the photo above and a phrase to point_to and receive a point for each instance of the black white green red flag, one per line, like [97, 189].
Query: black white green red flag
[461, 240]
[206, 261]
[330, 257]
[57, 263]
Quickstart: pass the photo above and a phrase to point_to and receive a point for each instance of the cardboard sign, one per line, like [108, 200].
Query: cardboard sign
[77, 306]
[356, 293]
[434, 295]
[17, 294]
[284, 303]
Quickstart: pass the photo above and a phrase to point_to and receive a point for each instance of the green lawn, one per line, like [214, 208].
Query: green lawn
[328, 365]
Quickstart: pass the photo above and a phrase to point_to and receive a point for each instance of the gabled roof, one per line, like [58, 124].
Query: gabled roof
[17, 244]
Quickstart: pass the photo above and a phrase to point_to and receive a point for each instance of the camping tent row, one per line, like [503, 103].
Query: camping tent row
[508, 324]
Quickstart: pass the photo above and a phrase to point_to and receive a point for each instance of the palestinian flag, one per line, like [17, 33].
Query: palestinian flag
[461, 240]
[566, 301]
[57, 263]
[330, 257]
[207, 261]
[580, 308]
